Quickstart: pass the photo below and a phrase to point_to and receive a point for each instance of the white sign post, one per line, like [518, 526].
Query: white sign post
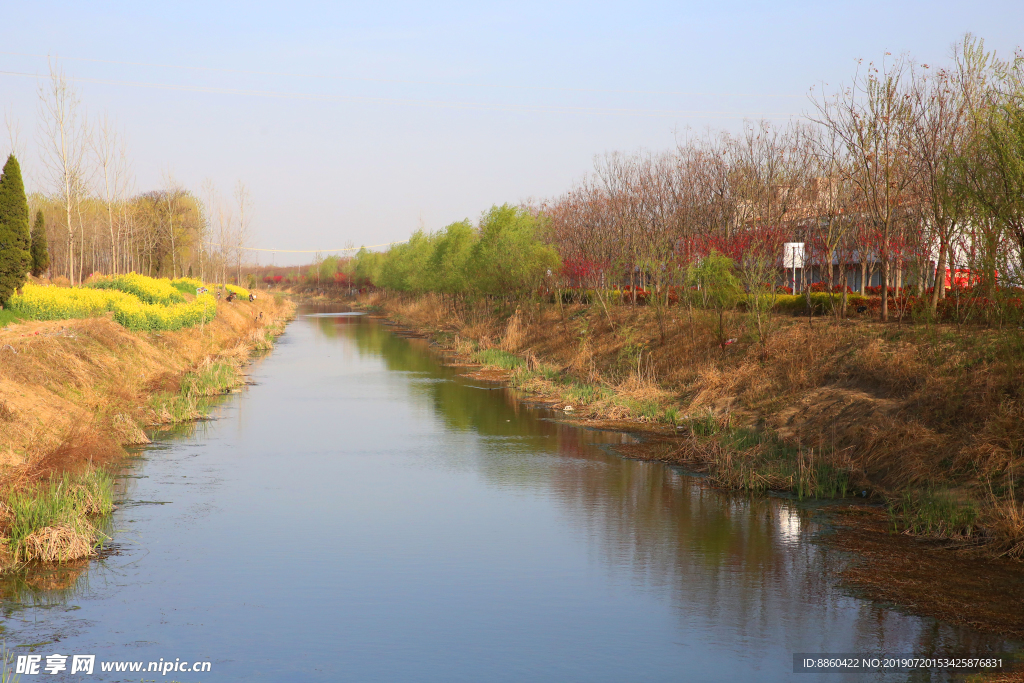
[793, 257]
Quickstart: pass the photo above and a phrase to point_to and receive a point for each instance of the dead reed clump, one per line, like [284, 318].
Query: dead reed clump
[514, 335]
[61, 543]
[7, 413]
[1005, 522]
[582, 362]
[462, 347]
[126, 431]
[532, 364]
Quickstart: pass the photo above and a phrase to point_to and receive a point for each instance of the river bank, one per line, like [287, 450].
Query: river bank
[866, 418]
[74, 393]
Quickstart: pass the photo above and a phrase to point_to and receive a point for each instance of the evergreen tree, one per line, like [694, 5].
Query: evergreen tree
[40, 249]
[14, 234]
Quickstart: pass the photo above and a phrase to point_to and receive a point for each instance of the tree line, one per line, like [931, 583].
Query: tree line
[908, 170]
[88, 217]
[504, 254]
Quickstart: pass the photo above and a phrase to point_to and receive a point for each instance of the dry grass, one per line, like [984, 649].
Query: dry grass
[514, 335]
[61, 543]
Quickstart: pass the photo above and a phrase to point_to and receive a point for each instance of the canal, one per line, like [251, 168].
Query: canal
[361, 512]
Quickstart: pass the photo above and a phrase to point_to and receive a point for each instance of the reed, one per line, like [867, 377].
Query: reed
[52, 521]
[192, 400]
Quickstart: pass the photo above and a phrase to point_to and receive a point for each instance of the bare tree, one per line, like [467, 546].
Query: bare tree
[831, 199]
[172, 189]
[874, 119]
[63, 143]
[242, 236]
[112, 164]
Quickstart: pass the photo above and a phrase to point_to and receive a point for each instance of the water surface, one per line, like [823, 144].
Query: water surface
[363, 513]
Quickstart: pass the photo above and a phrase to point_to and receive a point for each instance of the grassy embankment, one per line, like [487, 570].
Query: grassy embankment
[928, 419]
[74, 390]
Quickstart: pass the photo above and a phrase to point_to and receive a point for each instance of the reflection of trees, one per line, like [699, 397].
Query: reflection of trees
[733, 563]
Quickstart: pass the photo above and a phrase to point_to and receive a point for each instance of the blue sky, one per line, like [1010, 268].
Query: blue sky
[389, 115]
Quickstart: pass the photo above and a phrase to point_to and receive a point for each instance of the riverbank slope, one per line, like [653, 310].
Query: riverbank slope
[74, 392]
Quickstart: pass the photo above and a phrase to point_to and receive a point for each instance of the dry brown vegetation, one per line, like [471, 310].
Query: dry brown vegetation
[72, 393]
[80, 387]
[896, 409]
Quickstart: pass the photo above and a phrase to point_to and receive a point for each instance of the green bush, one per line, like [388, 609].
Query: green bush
[822, 303]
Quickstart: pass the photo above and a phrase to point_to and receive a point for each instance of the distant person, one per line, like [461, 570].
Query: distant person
[231, 297]
[252, 296]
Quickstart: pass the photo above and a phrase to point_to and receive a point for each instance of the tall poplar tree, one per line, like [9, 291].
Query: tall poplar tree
[40, 247]
[14, 234]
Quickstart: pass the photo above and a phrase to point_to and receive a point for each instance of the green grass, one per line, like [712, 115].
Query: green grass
[7, 316]
[649, 409]
[498, 358]
[581, 392]
[750, 460]
[193, 397]
[213, 379]
[68, 499]
[705, 424]
[933, 512]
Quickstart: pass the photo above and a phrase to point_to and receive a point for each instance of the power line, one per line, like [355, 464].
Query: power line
[400, 81]
[422, 103]
[304, 251]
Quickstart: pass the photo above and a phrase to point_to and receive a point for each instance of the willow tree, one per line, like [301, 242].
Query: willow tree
[509, 259]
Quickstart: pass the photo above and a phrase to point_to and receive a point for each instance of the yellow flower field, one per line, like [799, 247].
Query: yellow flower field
[61, 303]
[148, 289]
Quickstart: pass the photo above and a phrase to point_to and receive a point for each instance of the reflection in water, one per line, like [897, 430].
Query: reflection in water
[365, 513]
[736, 564]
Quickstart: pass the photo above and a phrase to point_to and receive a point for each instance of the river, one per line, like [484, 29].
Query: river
[361, 512]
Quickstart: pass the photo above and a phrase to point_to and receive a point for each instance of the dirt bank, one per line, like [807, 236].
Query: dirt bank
[73, 393]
